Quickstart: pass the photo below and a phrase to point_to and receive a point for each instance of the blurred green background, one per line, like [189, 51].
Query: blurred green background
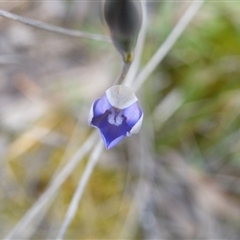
[177, 179]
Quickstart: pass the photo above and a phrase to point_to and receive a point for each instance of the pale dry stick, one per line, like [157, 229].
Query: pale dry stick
[51, 191]
[53, 29]
[139, 49]
[168, 44]
[167, 107]
[29, 231]
[72, 209]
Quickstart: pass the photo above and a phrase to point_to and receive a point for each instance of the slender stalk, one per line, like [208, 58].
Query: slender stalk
[51, 28]
[123, 73]
[80, 189]
[168, 44]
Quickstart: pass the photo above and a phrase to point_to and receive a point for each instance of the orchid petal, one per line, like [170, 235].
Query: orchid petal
[116, 115]
[101, 105]
[120, 96]
[133, 114]
[136, 128]
[109, 131]
[114, 142]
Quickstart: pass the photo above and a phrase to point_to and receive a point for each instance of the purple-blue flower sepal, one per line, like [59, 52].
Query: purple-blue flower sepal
[116, 115]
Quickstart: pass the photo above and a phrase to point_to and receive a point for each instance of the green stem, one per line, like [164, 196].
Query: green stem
[123, 73]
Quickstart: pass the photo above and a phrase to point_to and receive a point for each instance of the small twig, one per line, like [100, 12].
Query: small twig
[80, 189]
[51, 28]
[168, 44]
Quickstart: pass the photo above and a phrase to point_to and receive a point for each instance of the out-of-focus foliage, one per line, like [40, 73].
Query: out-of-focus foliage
[184, 165]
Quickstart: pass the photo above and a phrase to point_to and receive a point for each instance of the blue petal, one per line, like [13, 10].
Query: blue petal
[114, 142]
[111, 134]
[132, 114]
[101, 105]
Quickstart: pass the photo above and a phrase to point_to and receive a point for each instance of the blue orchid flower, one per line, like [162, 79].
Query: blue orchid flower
[116, 115]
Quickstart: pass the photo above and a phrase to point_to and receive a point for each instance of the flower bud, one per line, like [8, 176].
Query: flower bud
[124, 19]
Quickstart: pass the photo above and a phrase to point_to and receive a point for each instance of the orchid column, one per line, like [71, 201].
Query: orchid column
[117, 113]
